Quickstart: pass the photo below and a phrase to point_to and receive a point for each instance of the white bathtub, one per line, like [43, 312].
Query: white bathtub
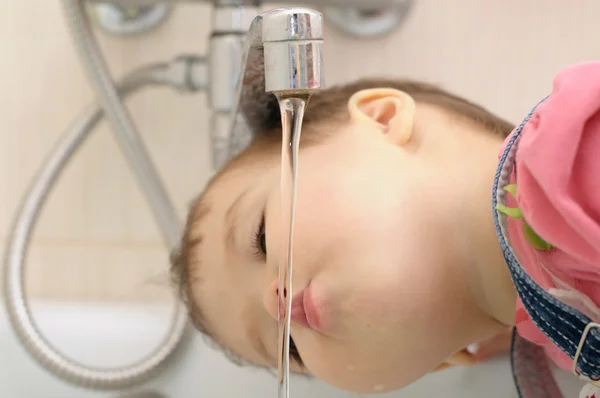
[103, 335]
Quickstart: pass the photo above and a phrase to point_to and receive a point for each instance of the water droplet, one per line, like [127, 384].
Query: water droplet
[473, 348]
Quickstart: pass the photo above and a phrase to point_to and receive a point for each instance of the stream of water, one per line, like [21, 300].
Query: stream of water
[292, 106]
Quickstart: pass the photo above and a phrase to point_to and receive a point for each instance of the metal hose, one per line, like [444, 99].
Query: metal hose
[14, 271]
[123, 127]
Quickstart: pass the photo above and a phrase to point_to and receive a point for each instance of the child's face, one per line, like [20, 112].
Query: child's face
[373, 259]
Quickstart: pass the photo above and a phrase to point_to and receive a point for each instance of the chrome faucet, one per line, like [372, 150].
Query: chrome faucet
[237, 93]
[283, 52]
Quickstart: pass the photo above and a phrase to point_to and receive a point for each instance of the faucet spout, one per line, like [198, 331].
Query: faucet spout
[283, 55]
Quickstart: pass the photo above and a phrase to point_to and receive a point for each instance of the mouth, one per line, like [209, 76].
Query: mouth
[304, 311]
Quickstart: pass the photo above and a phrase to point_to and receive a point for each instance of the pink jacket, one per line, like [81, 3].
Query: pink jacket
[558, 192]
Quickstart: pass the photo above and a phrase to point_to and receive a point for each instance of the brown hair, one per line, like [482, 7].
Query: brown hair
[325, 106]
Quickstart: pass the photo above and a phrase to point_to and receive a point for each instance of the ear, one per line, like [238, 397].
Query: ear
[389, 110]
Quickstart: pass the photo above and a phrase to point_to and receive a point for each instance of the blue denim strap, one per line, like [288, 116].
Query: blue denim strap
[571, 331]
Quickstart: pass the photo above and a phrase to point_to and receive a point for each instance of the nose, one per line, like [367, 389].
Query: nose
[276, 306]
[270, 299]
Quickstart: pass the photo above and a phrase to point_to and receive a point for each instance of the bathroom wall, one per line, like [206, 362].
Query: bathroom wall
[96, 240]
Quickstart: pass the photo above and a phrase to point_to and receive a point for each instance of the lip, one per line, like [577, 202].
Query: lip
[304, 311]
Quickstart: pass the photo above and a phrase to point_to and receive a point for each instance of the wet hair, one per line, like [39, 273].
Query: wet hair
[325, 107]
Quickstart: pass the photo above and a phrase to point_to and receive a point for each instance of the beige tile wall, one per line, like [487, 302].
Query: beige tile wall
[96, 239]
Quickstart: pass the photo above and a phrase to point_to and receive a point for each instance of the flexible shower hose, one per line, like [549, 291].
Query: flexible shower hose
[121, 122]
[134, 150]
[176, 74]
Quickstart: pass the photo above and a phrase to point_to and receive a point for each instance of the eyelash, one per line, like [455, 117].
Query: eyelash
[257, 243]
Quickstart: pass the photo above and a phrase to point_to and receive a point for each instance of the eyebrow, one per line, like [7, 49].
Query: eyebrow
[231, 218]
[252, 332]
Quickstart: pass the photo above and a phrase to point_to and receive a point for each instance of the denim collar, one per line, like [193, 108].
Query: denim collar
[570, 330]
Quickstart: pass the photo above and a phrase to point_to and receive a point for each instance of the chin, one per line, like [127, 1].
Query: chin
[362, 374]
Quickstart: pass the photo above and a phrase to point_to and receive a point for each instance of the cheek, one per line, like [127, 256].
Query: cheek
[354, 220]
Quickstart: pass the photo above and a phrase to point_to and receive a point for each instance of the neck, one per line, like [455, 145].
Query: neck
[483, 276]
[489, 279]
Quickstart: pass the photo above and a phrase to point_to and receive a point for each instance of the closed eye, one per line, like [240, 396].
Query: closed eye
[259, 243]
